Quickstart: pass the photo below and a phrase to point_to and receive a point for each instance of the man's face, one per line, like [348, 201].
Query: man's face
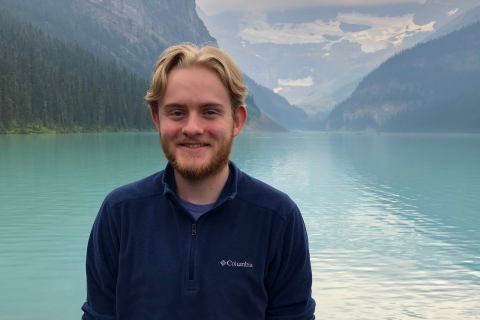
[195, 122]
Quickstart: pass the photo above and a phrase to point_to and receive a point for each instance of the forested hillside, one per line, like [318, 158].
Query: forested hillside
[130, 32]
[47, 85]
[432, 87]
[63, 19]
[113, 29]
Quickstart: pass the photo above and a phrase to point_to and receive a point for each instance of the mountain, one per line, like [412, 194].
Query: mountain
[173, 21]
[131, 32]
[431, 87]
[315, 56]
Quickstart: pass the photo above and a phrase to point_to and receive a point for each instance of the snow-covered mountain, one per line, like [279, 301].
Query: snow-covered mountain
[315, 56]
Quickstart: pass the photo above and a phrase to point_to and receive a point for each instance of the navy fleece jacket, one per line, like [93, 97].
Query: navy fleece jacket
[247, 258]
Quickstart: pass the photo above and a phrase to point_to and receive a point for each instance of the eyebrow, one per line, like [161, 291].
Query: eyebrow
[205, 104]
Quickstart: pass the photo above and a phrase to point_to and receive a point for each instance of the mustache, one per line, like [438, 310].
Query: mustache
[185, 141]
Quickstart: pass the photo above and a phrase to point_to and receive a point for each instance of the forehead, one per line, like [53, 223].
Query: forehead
[194, 85]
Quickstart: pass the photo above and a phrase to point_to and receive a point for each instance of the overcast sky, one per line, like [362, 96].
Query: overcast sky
[212, 7]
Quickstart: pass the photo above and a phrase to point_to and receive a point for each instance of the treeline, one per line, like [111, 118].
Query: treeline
[65, 20]
[47, 85]
[252, 109]
[431, 87]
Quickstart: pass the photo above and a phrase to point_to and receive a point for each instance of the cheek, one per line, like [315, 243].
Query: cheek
[220, 128]
[169, 129]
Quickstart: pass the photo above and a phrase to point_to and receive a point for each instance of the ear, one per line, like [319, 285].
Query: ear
[239, 120]
[155, 118]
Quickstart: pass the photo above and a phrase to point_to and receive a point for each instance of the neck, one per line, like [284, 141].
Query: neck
[204, 191]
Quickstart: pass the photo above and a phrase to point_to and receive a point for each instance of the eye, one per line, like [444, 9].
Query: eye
[176, 114]
[211, 112]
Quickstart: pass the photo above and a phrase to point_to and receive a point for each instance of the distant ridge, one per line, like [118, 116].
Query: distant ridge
[432, 87]
[466, 18]
[276, 107]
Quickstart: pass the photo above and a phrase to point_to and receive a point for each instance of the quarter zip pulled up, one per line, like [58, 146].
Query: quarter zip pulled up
[191, 266]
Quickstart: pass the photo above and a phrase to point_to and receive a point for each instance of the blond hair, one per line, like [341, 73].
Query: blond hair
[188, 55]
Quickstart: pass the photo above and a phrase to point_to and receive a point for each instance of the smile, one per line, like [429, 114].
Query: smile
[197, 145]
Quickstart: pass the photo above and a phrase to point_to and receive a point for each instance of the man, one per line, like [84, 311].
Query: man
[200, 239]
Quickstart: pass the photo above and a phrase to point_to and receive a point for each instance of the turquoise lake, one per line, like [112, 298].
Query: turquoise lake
[393, 219]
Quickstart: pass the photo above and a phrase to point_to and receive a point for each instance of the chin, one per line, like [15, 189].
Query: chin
[197, 173]
[199, 166]
[192, 164]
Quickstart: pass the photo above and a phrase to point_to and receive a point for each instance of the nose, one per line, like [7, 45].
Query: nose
[193, 125]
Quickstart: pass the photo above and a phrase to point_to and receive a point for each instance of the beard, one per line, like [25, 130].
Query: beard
[219, 159]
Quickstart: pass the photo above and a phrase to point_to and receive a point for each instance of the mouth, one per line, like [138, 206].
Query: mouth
[194, 145]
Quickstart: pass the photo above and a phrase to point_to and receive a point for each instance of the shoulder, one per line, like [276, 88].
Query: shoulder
[145, 188]
[262, 195]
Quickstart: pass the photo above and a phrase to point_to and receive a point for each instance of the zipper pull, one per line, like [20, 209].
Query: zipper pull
[194, 229]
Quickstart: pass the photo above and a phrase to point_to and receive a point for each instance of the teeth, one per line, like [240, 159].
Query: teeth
[198, 145]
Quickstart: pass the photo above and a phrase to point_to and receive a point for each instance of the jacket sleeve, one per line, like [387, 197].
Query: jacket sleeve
[102, 267]
[289, 278]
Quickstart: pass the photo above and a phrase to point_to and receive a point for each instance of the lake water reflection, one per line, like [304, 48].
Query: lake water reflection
[393, 220]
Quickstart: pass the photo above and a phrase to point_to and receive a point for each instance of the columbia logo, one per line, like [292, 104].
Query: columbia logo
[231, 263]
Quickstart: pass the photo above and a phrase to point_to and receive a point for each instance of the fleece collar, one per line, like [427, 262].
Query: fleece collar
[229, 191]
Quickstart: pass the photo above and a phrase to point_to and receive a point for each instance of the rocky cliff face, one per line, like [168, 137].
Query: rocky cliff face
[172, 21]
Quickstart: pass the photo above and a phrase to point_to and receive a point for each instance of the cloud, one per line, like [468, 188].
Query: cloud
[259, 31]
[213, 7]
[452, 12]
[383, 31]
[305, 82]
